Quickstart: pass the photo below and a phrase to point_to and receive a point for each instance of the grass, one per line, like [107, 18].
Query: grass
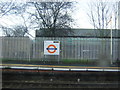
[63, 61]
[78, 61]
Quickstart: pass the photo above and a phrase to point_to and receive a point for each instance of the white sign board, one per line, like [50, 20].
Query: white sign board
[52, 47]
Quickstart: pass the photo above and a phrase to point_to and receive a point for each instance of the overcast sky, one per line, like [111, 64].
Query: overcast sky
[79, 15]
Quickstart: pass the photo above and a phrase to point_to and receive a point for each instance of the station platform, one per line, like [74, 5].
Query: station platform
[58, 67]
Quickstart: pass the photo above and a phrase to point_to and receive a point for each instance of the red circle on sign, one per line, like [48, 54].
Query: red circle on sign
[51, 51]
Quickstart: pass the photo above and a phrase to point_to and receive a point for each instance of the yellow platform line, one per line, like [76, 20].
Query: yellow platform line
[58, 66]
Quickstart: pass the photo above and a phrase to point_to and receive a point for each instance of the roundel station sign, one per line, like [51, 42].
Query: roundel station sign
[51, 47]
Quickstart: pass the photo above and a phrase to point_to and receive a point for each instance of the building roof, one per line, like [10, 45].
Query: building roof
[87, 33]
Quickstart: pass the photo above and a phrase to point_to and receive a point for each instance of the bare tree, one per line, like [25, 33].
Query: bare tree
[52, 17]
[16, 31]
[115, 12]
[10, 8]
[5, 7]
[19, 31]
[100, 13]
[7, 31]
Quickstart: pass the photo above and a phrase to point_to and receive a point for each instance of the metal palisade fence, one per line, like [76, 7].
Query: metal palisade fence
[16, 48]
[75, 48]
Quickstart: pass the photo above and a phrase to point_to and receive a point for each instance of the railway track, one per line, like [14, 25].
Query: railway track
[53, 84]
[36, 80]
[35, 77]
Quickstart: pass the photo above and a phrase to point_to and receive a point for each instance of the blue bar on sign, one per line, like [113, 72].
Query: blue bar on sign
[51, 48]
